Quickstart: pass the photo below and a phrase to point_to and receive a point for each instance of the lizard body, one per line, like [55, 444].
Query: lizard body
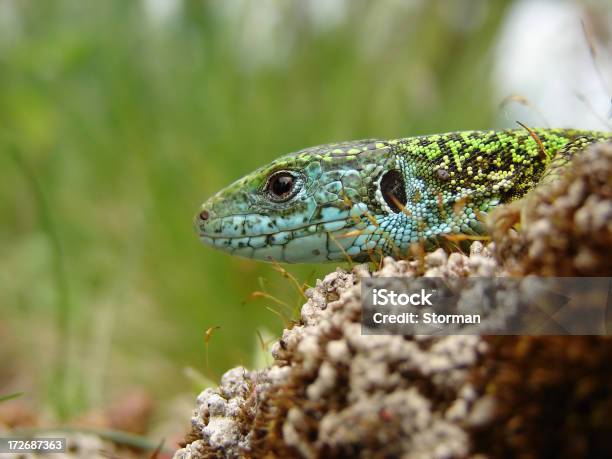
[352, 199]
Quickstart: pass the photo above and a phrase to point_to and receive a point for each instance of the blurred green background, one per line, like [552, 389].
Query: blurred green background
[118, 118]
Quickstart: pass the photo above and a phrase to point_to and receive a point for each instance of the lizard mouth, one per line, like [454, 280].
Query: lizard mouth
[317, 242]
[299, 231]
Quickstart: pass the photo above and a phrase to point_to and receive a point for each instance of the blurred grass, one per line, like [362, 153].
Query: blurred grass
[122, 122]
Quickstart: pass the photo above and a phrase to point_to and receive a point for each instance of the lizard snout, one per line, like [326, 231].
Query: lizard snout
[203, 219]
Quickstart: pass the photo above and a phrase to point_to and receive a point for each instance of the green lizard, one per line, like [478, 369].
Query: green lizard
[352, 199]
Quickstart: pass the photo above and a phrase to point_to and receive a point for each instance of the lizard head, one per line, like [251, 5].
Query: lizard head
[353, 199]
[309, 206]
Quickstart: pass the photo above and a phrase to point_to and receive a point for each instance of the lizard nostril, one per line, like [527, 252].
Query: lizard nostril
[204, 215]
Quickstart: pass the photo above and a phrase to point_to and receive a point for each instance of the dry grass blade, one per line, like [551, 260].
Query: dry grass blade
[417, 249]
[449, 243]
[588, 35]
[460, 205]
[394, 248]
[380, 262]
[582, 98]
[532, 133]
[371, 218]
[286, 320]
[6, 398]
[287, 275]
[262, 342]
[347, 201]
[522, 100]
[401, 206]
[441, 208]
[372, 256]
[207, 336]
[353, 233]
[466, 237]
[290, 309]
[158, 450]
[357, 219]
[342, 249]
[259, 294]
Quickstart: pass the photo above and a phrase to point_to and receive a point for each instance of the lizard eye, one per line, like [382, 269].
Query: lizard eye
[282, 186]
